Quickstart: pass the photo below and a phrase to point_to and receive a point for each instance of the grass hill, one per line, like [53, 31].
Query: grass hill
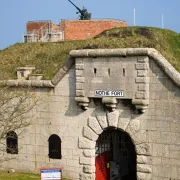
[48, 57]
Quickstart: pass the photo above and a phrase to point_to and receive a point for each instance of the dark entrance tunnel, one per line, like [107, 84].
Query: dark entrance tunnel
[115, 156]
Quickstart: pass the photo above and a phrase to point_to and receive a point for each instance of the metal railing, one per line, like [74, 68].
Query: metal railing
[44, 34]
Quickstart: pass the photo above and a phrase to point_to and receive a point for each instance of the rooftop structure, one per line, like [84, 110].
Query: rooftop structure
[47, 31]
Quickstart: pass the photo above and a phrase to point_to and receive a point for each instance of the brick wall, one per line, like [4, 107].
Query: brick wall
[76, 29]
[30, 26]
[81, 30]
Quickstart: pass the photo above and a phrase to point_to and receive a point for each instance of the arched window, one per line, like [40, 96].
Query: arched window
[12, 143]
[54, 147]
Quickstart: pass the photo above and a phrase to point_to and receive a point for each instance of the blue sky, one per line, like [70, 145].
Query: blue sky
[15, 13]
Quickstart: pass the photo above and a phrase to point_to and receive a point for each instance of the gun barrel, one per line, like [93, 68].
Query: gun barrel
[75, 6]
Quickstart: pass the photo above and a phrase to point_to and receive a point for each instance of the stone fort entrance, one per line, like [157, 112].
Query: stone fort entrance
[115, 156]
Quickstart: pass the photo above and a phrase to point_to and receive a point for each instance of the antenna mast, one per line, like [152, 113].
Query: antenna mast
[134, 17]
[162, 21]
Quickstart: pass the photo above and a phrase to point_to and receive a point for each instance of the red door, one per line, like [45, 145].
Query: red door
[103, 166]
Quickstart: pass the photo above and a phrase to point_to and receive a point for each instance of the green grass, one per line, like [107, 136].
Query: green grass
[19, 176]
[49, 57]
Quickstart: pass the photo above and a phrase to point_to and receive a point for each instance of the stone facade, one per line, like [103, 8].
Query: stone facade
[149, 113]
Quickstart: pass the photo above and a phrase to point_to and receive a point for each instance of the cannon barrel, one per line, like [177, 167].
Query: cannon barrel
[76, 7]
[84, 13]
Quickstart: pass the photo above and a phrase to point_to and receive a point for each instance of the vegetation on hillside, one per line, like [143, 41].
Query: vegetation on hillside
[48, 57]
[19, 176]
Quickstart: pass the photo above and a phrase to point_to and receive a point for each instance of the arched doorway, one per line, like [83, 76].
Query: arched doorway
[115, 156]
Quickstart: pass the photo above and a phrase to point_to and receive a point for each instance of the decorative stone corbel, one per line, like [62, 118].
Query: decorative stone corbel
[141, 105]
[110, 102]
[83, 102]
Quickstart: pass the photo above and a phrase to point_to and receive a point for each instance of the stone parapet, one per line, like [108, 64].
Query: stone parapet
[27, 83]
[126, 69]
[153, 53]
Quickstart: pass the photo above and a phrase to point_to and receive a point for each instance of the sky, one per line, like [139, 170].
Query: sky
[14, 14]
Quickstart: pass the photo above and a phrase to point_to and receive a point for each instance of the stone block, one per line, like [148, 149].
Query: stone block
[175, 126]
[142, 73]
[11, 171]
[140, 137]
[103, 72]
[157, 150]
[140, 95]
[80, 93]
[161, 137]
[80, 79]
[128, 73]
[175, 172]
[143, 59]
[144, 149]
[113, 118]
[69, 142]
[94, 125]
[79, 60]
[142, 80]
[89, 153]
[133, 127]
[175, 137]
[37, 83]
[74, 163]
[157, 161]
[88, 169]
[86, 176]
[67, 153]
[171, 162]
[79, 73]
[141, 66]
[87, 161]
[141, 159]
[90, 134]
[123, 123]
[86, 143]
[130, 86]
[144, 168]
[79, 66]
[102, 120]
[143, 87]
[144, 176]
[82, 99]
[162, 171]
[59, 75]
[79, 86]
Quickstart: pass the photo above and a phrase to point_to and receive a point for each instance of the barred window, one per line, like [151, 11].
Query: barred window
[12, 143]
[54, 147]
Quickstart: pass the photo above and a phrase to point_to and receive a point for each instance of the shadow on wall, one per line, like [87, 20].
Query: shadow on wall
[73, 109]
[124, 106]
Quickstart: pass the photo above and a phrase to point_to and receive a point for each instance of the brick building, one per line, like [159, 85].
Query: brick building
[47, 31]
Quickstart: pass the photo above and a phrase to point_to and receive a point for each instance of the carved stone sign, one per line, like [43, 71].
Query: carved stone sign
[114, 93]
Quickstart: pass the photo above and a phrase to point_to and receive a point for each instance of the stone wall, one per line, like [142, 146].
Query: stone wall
[56, 113]
[155, 132]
